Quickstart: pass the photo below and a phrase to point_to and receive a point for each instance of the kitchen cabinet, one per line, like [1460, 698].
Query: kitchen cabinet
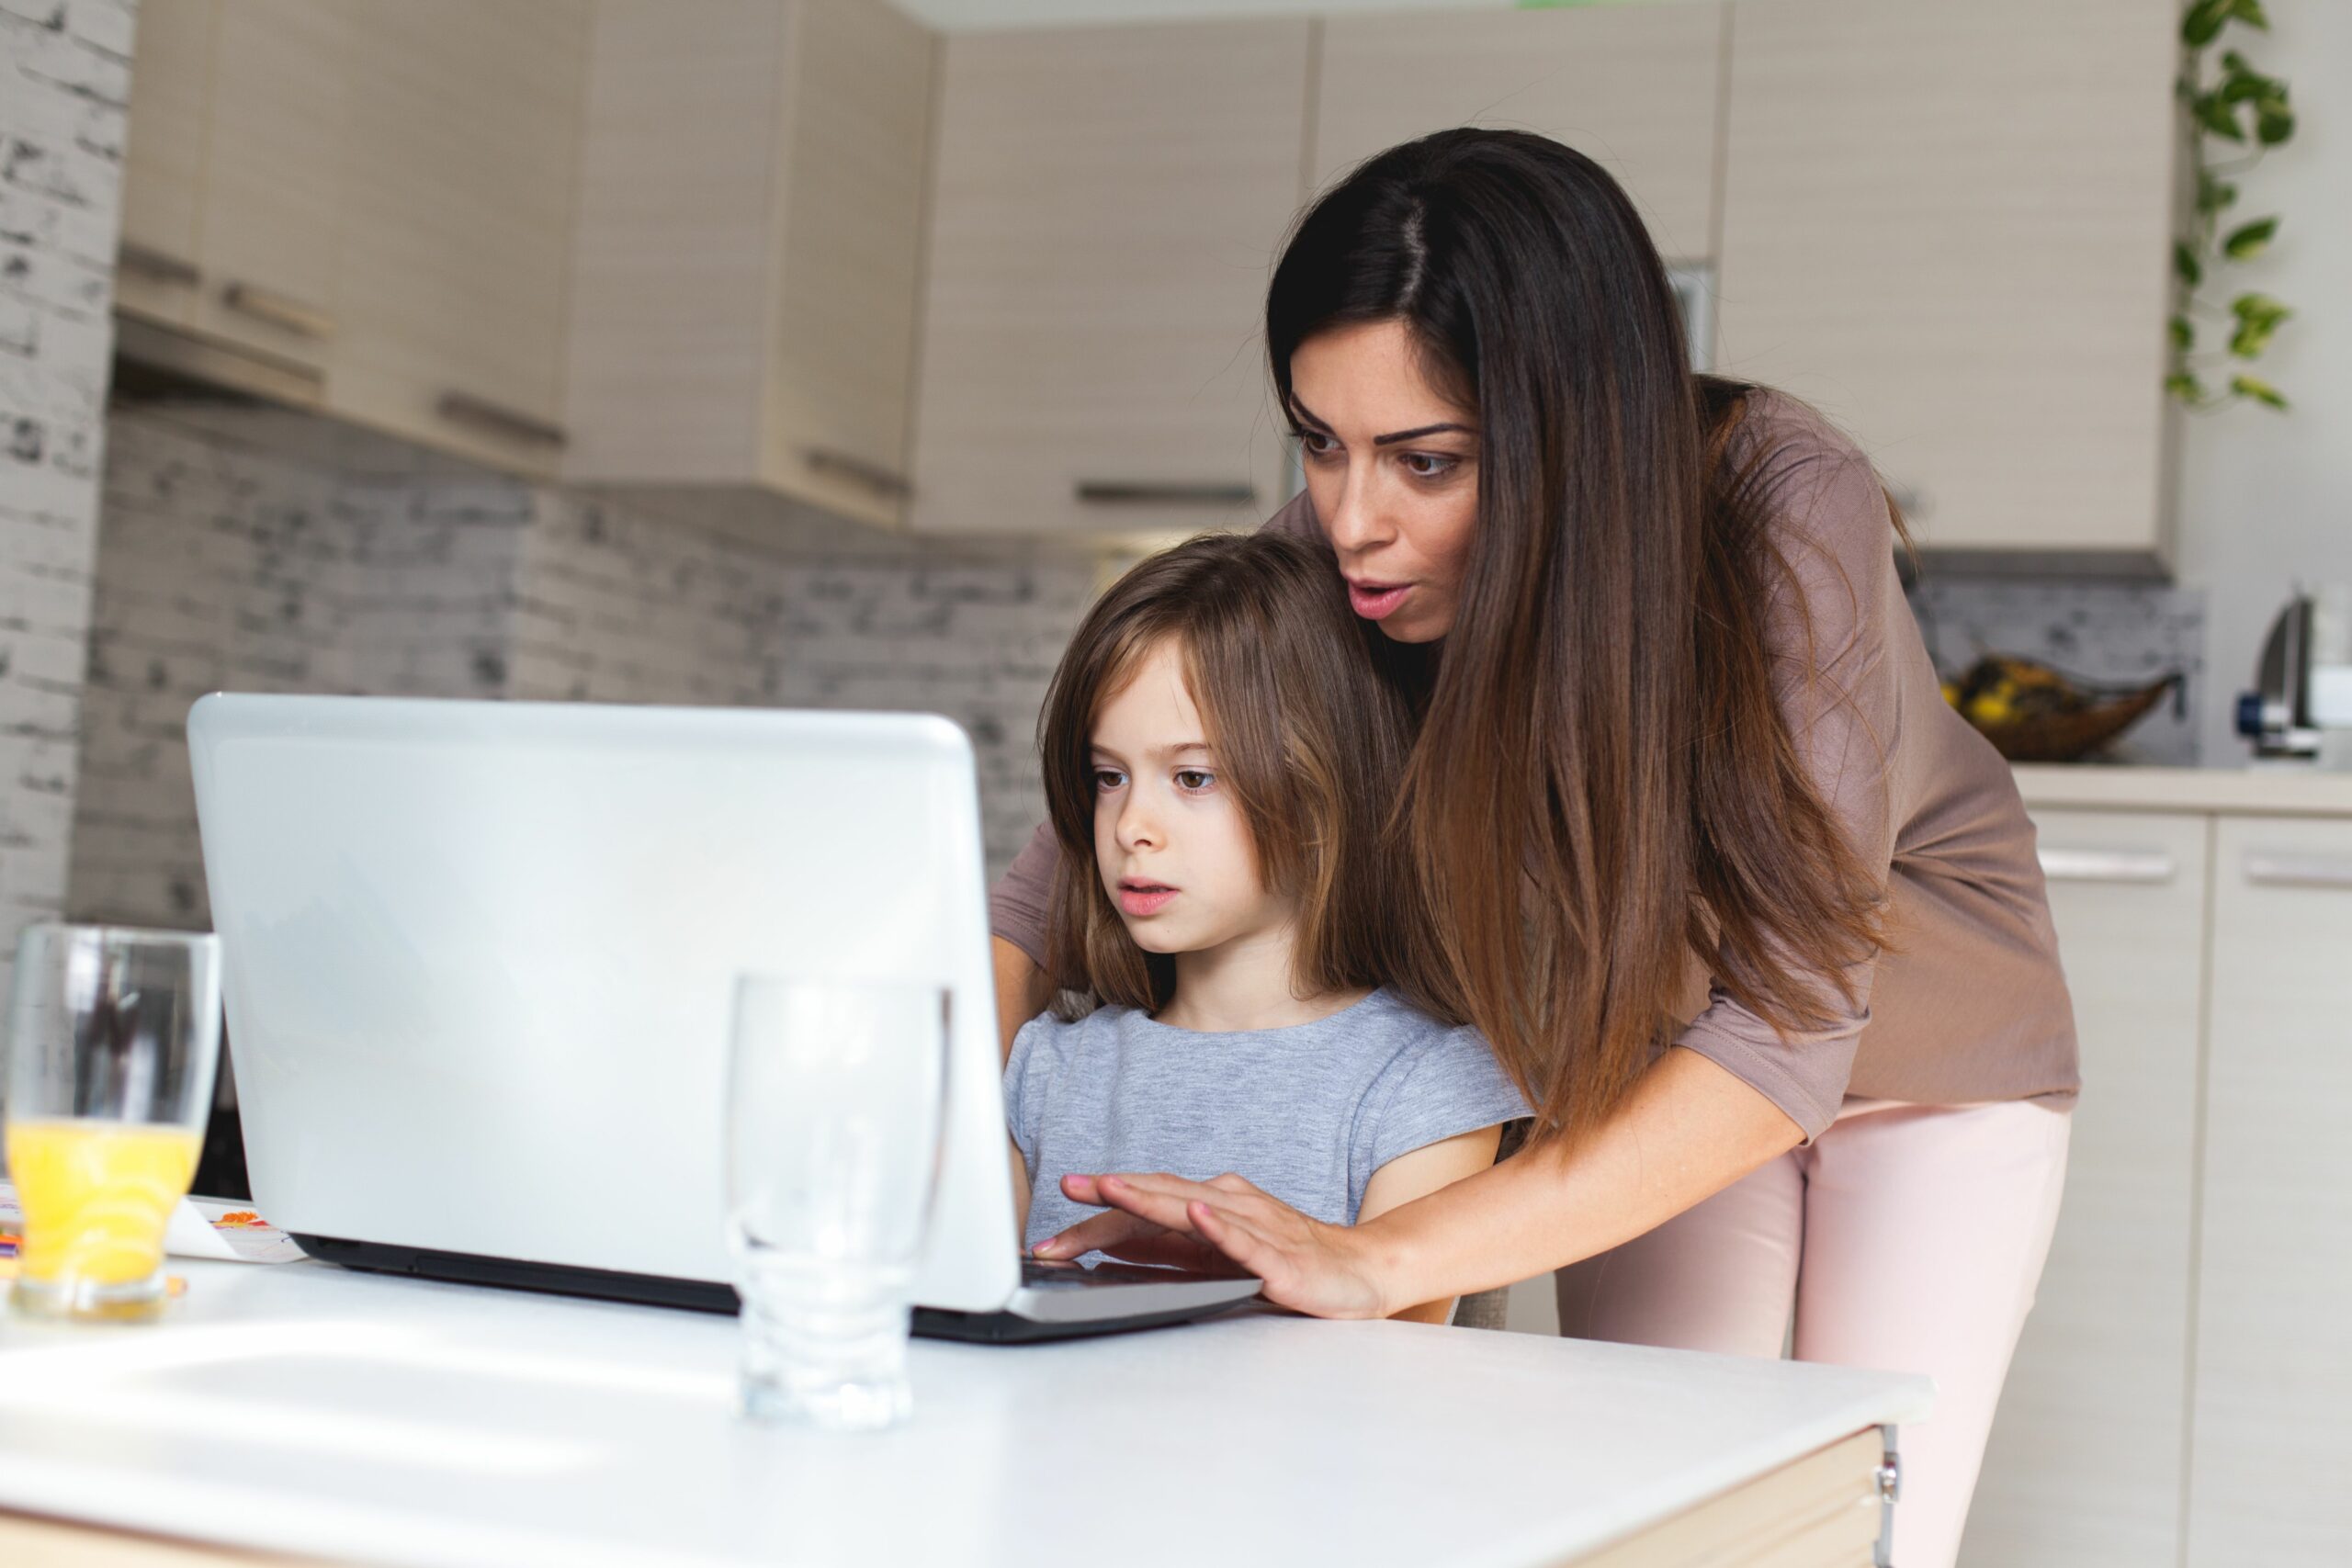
[2084, 1467]
[271, 178]
[1948, 226]
[453, 262]
[1636, 88]
[158, 276]
[2272, 1443]
[744, 282]
[1106, 209]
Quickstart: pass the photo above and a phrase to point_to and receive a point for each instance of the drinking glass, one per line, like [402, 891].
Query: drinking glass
[113, 1035]
[836, 1104]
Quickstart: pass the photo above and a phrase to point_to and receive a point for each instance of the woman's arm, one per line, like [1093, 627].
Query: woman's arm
[1411, 1177]
[1021, 993]
[1686, 1131]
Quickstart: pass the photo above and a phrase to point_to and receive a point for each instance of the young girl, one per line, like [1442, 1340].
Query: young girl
[1220, 758]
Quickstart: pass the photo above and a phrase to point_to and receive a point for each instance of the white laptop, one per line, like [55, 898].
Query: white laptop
[479, 962]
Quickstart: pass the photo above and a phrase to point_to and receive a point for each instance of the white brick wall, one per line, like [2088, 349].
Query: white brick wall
[65, 71]
[224, 566]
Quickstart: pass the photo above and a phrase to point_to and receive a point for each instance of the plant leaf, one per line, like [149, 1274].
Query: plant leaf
[2184, 386]
[2258, 317]
[2184, 262]
[2184, 335]
[2218, 116]
[2250, 13]
[2250, 240]
[2204, 20]
[2273, 124]
[2261, 391]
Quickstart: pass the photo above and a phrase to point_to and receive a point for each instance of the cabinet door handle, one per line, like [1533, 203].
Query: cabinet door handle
[149, 262]
[279, 310]
[2062, 864]
[1125, 492]
[464, 408]
[857, 470]
[2273, 870]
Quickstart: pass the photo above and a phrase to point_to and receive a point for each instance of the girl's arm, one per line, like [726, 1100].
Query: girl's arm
[1414, 1176]
[1688, 1130]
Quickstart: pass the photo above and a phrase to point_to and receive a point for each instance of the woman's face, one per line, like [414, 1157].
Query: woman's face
[1392, 464]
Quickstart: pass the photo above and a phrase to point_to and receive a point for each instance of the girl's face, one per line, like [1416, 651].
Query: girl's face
[1393, 466]
[1174, 851]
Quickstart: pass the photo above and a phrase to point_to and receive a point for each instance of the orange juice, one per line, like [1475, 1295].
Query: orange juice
[95, 1196]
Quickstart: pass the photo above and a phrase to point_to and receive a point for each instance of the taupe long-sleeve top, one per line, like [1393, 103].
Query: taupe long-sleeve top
[1969, 1005]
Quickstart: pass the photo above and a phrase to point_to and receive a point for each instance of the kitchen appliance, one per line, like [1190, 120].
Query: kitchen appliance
[2302, 708]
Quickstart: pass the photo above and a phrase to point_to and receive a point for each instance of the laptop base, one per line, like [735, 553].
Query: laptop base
[701, 1295]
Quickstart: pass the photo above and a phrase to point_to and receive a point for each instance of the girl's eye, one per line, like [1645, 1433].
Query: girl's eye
[1194, 779]
[1108, 778]
[1430, 465]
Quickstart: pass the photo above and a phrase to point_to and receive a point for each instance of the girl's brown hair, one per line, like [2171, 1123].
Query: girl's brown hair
[1604, 787]
[1309, 739]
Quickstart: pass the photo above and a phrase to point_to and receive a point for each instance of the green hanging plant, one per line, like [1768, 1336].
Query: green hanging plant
[2240, 105]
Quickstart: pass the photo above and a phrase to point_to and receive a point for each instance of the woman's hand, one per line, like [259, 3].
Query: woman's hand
[1322, 1269]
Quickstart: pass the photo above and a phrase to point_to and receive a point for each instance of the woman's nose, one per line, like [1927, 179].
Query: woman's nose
[1355, 523]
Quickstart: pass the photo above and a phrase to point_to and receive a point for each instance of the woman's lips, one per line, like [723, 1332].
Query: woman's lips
[1376, 601]
[1145, 897]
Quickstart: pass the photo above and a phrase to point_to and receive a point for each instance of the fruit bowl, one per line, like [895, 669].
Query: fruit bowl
[2032, 713]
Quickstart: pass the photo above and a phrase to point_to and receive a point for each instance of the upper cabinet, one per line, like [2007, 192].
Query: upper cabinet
[745, 273]
[1637, 88]
[458, 174]
[1948, 226]
[232, 186]
[1107, 207]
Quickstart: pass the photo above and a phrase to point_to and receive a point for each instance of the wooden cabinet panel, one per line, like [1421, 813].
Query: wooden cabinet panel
[163, 175]
[2084, 1469]
[1107, 208]
[454, 256]
[841, 359]
[273, 177]
[2272, 1445]
[1949, 225]
[746, 274]
[1637, 88]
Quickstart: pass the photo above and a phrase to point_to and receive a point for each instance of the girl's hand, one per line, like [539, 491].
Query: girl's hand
[1325, 1270]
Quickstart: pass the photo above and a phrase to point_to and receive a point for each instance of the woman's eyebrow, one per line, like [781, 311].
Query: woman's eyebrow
[1307, 417]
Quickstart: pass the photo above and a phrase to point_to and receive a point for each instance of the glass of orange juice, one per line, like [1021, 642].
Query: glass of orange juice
[113, 1036]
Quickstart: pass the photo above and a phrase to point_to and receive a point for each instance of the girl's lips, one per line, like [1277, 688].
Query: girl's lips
[1376, 601]
[1146, 900]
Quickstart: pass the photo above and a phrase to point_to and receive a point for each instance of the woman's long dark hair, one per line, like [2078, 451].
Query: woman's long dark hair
[1603, 784]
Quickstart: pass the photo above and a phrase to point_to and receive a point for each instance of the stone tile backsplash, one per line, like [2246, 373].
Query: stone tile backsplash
[64, 78]
[228, 566]
[2124, 632]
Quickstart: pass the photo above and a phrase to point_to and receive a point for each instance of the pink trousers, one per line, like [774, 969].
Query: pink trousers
[1906, 1237]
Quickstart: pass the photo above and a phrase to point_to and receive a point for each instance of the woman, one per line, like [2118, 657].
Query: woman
[1747, 911]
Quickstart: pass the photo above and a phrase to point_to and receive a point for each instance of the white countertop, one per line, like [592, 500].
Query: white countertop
[306, 1409]
[2281, 790]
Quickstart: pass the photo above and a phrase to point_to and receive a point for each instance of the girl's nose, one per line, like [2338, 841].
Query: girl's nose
[1137, 827]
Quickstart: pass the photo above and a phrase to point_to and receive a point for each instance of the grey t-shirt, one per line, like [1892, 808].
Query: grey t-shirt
[1307, 1112]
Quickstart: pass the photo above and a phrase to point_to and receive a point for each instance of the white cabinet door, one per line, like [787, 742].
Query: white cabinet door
[2272, 1449]
[273, 177]
[460, 153]
[162, 159]
[1949, 225]
[1107, 209]
[2084, 1469]
[1637, 88]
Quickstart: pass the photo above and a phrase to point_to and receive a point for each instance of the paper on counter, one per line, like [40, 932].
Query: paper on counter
[195, 1230]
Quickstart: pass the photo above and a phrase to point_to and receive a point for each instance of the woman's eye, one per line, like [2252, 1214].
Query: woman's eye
[1315, 443]
[1194, 779]
[1108, 778]
[1429, 465]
